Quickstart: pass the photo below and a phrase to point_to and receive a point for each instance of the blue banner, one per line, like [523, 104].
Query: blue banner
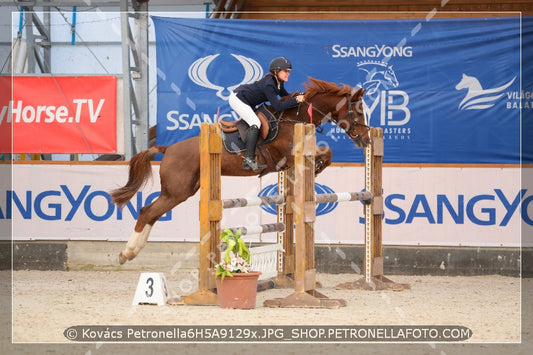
[443, 90]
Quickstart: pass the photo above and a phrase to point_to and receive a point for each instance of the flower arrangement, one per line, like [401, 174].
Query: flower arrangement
[236, 255]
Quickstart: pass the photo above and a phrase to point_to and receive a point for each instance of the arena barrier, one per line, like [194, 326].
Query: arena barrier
[296, 202]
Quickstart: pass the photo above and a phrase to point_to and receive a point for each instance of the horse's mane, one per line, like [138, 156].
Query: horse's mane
[317, 86]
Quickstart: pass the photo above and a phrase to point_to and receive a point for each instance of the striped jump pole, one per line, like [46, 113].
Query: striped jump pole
[260, 228]
[344, 197]
[253, 201]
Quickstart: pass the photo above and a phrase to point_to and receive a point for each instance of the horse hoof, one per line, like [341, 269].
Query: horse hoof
[121, 258]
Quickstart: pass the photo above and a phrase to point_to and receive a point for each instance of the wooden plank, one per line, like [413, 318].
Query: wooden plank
[309, 211]
[377, 205]
[210, 204]
[299, 200]
[215, 210]
[309, 279]
[309, 199]
[355, 4]
[378, 146]
[288, 243]
[309, 148]
[383, 9]
[377, 269]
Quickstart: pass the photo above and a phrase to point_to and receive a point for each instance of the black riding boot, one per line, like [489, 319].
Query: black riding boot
[251, 142]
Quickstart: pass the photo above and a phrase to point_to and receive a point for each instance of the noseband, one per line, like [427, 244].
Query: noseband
[353, 120]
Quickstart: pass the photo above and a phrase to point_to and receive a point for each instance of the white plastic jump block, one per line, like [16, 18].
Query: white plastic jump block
[151, 289]
[264, 259]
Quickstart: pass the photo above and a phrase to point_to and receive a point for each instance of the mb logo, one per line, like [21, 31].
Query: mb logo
[198, 74]
[379, 82]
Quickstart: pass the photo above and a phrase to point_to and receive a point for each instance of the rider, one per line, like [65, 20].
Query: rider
[246, 97]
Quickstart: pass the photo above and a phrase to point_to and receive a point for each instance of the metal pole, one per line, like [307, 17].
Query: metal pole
[47, 54]
[128, 142]
[142, 138]
[30, 40]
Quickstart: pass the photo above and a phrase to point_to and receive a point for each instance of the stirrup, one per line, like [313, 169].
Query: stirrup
[249, 164]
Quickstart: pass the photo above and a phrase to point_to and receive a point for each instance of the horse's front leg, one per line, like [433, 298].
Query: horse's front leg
[323, 156]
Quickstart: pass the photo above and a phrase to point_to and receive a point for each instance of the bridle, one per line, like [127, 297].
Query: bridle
[352, 122]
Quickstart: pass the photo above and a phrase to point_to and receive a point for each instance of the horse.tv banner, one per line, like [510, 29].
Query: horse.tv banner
[58, 114]
[443, 90]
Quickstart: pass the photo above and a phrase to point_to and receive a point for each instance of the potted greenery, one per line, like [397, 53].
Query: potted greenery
[236, 282]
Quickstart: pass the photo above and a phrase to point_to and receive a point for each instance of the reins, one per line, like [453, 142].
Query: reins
[350, 113]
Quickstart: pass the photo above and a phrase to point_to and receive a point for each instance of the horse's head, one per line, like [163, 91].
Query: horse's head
[341, 105]
[469, 82]
[350, 116]
[390, 76]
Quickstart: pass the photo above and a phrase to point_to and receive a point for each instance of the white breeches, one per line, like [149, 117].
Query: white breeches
[244, 111]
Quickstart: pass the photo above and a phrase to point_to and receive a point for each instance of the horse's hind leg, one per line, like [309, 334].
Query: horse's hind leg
[135, 244]
[179, 173]
[148, 215]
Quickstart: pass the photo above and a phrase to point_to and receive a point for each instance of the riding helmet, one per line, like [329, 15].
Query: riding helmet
[280, 63]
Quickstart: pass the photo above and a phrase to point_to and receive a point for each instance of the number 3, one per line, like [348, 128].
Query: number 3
[150, 283]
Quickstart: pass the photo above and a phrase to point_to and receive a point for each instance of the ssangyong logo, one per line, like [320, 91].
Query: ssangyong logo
[321, 208]
[198, 73]
[476, 97]
[373, 51]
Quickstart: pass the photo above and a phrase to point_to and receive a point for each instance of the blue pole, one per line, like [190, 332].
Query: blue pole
[21, 23]
[207, 9]
[73, 27]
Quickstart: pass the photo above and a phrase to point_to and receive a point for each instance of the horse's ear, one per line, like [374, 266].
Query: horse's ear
[360, 92]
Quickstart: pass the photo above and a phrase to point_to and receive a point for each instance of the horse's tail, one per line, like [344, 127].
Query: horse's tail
[139, 172]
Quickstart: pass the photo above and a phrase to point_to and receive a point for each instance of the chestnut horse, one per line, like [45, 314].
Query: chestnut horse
[180, 167]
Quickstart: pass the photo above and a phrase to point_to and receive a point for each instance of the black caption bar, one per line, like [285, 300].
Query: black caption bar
[373, 333]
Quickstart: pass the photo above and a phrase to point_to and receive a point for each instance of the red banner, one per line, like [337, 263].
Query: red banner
[5, 124]
[60, 114]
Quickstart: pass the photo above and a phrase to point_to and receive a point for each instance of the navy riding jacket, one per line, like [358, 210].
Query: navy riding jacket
[265, 89]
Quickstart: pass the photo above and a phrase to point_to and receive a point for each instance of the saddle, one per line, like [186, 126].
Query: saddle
[234, 132]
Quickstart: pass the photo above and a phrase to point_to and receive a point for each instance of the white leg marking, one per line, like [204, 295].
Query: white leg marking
[137, 242]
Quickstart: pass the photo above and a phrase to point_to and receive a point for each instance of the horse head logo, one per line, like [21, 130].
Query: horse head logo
[379, 76]
[198, 73]
[476, 97]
